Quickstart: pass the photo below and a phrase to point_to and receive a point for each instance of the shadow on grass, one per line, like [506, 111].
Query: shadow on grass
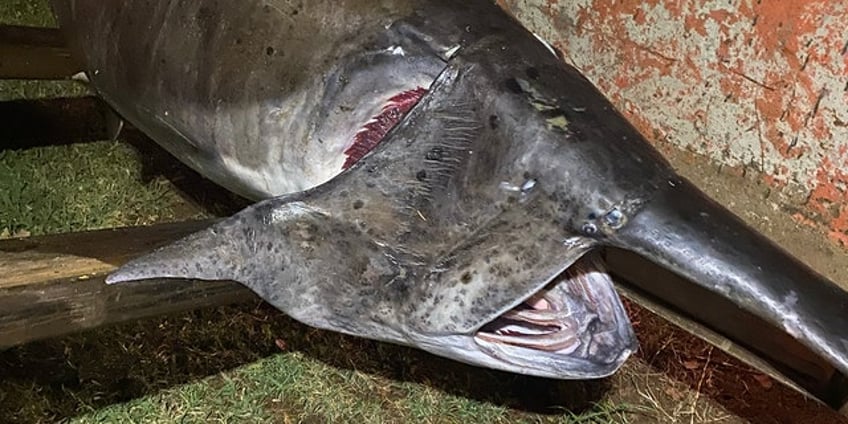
[62, 378]
[201, 193]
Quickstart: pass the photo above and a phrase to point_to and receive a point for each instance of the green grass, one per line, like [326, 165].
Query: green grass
[226, 365]
[12, 90]
[32, 13]
[77, 187]
[26, 12]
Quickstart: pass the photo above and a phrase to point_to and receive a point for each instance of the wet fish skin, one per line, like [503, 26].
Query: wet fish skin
[507, 172]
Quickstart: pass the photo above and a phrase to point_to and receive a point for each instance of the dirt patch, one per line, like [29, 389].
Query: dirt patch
[685, 366]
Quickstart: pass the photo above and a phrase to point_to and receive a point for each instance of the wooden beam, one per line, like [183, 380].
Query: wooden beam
[35, 53]
[53, 285]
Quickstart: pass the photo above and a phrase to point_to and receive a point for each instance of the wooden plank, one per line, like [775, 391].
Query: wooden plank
[45, 122]
[738, 333]
[53, 285]
[35, 53]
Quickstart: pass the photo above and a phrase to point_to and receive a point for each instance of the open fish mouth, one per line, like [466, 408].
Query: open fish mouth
[539, 323]
[578, 316]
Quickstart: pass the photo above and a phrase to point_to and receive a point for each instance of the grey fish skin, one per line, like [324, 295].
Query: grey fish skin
[685, 231]
[453, 234]
[258, 96]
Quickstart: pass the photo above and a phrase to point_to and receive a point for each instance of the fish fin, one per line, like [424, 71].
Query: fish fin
[303, 260]
[81, 77]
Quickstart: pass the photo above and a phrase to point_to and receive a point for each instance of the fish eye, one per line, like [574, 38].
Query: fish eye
[614, 218]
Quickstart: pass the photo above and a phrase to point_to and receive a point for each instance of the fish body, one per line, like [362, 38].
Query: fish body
[427, 173]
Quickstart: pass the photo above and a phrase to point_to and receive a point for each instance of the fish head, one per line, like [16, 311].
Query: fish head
[618, 191]
[612, 187]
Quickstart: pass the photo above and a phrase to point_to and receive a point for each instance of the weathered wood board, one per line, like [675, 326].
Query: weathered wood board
[34, 53]
[53, 285]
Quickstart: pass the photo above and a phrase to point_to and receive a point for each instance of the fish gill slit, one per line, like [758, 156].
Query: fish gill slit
[450, 150]
[376, 129]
